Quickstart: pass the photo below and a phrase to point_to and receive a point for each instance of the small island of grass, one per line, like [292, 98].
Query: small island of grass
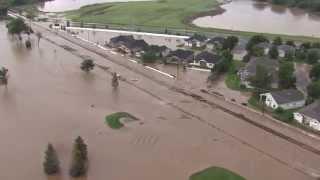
[215, 173]
[113, 120]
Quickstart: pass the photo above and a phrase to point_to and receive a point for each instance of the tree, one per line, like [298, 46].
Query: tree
[314, 90]
[289, 56]
[39, 36]
[286, 75]
[254, 40]
[277, 41]
[315, 45]
[305, 45]
[290, 43]
[28, 44]
[17, 26]
[149, 57]
[4, 76]
[313, 56]
[51, 162]
[115, 81]
[273, 52]
[79, 158]
[225, 63]
[315, 72]
[87, 65]
[230, 42]
[262, 79]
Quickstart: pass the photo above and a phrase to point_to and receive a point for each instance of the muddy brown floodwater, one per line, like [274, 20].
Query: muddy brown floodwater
[49, 99]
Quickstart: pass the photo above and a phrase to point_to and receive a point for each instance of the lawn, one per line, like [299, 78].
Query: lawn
[113, 120]
[215, 173]
[164, 13]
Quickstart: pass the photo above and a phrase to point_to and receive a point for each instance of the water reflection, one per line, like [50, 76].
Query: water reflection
[249, 15]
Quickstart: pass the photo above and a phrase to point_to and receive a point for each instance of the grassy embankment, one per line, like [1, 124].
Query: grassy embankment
[162, 14]
[215, 173]
[113, 120]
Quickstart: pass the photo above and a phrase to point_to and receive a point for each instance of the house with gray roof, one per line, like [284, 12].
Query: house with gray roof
[128, 45]
[285, 99]
[250, 70]
[309, 116]
[180, 56]
[206, 59]
[284, 49]
[215, 42]
[197, 40]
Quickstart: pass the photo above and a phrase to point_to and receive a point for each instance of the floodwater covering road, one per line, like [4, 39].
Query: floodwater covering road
[49, 99]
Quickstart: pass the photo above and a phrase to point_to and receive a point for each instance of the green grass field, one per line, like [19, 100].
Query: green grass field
[113, 120]
[215, 173]
[171, 13]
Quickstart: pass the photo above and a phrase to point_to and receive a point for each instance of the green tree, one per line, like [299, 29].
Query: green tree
[51, 162]
[286, 75]
[87, 65]
[115, 81]
[313, 56]
[290, 43]
[262, 79]
[315, 72]
[230, 42]
[277, 41]
[4, 76]
[79, 158]
[225, 63]
[314, 90]
[254, 40]
[17, 26]
[149, 57]
[273, 52]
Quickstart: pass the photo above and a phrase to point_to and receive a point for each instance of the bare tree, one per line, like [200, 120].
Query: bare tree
[4, 76]
[115, 81]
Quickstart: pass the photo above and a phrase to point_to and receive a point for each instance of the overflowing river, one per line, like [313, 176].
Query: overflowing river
[67, 5]
[253, 16]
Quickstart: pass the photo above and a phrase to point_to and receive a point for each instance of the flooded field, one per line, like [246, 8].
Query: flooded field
[49, 99]
[67, 5]
[255, 16]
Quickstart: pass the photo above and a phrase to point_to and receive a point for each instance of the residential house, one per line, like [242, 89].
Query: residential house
[239, 51]
[215, 43]
[285, 49]
[128, 45]
[285, 99]
[180, 56]
[250, 70]
[309, 116]
[206, 59]
[196, 40]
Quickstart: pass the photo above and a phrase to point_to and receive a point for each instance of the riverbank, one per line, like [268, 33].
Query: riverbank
[161, 15]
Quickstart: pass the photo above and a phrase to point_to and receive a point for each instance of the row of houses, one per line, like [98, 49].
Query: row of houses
[294, 99]
[136, 47]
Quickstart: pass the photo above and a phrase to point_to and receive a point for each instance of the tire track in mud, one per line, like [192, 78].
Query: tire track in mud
[197, 98]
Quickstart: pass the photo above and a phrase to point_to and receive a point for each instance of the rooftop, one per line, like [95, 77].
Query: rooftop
[287, 96]
[207, 56]
[312, 110]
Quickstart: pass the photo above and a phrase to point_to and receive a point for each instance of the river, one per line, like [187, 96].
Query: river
[253, 16]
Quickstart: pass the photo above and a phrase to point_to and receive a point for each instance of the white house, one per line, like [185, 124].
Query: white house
[196, 40]
[284, 49]
[206, 59]
[309, 116]
[285, 99]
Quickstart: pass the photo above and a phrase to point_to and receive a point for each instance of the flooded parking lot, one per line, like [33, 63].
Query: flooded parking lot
[49, 99]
